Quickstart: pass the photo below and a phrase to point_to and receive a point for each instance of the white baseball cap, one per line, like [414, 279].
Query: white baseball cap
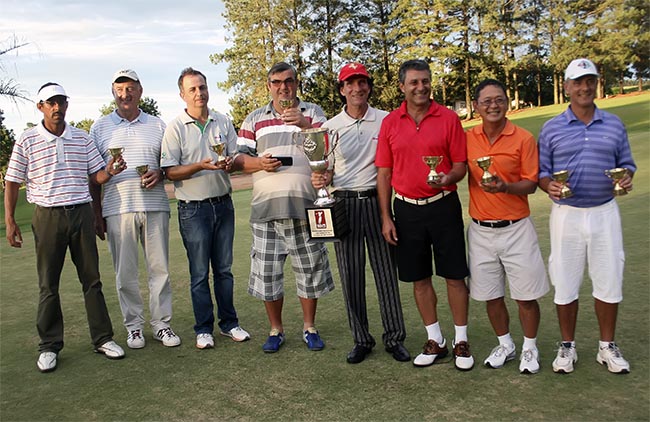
[579, 68]
[51, 91]
[126, 73]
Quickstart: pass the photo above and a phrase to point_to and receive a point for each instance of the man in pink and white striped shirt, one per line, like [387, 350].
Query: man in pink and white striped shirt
[55, 160]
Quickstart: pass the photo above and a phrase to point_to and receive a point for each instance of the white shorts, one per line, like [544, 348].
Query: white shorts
[510, 252]
[592, 233]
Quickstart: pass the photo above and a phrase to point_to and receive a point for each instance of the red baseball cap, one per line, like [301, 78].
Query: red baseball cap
[352, 69]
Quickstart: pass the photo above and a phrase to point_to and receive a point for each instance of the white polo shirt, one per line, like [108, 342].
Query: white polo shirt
[54, 168]
[184, 143]
[141, 140]
[354, 157]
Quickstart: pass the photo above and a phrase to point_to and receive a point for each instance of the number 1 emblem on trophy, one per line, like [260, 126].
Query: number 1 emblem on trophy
[616, 175]
[484, 163]
[432, 161]
[561, 177]
[142, 170]
[218, 149]
[116, 153]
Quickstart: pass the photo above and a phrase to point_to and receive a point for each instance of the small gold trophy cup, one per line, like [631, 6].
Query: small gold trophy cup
[142, 170]
[484, 163]
[616, 175]
[561, 177]
[115, 153]
[285, 104]
[218, 148]
[432, 161]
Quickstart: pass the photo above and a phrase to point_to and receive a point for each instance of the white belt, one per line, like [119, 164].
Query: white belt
[424, 201]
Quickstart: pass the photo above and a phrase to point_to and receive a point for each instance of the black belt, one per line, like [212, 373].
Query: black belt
[212, 200]
[67, 207]
[359, 194]
[495, 224]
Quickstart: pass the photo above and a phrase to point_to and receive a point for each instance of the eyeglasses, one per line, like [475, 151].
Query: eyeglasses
[277, 82]
[488, 102]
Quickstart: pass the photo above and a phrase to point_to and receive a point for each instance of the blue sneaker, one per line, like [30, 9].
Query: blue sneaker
[273, 343]
[313, 340]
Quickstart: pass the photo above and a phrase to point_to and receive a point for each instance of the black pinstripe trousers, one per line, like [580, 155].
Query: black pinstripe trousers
[365, 230]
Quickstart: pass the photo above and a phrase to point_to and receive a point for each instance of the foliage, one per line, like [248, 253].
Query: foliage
[7, 139]
[9, 88]
[84, 124]
[527, 44]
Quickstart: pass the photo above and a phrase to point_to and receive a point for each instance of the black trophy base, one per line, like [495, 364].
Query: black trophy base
[329, 223]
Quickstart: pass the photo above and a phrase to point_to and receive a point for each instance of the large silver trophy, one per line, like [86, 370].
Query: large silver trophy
[327, 220]
[316, 144]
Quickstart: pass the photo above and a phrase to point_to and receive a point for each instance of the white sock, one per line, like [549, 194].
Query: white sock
[506, 340]
[604, 344]
[529, 343]
[434, 333]
[461, 333]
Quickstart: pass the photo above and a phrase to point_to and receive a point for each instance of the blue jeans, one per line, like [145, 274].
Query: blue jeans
[208, 229]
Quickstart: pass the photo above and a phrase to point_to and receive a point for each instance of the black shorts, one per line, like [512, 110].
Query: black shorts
[436, 227]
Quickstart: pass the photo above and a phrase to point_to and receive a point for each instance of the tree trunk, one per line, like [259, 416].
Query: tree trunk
[538, 79]
[640, 84]
[507, 84]
[516, 88]
[556, 90]
[621, 85]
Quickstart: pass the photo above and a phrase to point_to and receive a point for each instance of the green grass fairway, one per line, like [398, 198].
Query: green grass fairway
[236, 381]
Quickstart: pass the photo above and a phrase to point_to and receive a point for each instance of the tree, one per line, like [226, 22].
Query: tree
[9, 88]
[7, 140]
[84, 124]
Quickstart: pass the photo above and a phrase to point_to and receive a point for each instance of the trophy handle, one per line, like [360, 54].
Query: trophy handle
[335, 134]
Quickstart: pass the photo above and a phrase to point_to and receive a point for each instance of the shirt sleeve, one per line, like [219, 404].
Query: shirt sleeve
[246, 142]
[384, 156]
[170, 149]
[17, 168]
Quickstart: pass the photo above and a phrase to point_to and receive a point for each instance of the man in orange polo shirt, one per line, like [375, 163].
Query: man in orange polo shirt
[502, 241]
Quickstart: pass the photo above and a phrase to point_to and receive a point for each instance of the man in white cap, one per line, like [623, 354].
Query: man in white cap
[55, 160]
[586, 141]
[135, 209]
[354, 181]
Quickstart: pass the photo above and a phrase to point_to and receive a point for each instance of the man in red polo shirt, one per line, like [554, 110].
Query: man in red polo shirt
[428, 217]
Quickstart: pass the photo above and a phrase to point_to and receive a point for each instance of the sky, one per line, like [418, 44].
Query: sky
[81, 44]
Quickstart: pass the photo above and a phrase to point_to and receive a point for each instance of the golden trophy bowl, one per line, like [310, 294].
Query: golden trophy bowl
[219, 148]
[616, 175]
[484, 163]
[317, 146]
[115, 153]
[142, 170]
[433, 178]
[561, 177]
[285, 103]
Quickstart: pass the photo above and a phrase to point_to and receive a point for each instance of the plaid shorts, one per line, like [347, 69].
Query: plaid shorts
[272, 242]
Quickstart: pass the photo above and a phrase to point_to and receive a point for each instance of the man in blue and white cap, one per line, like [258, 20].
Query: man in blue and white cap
[55, 160]
[586, 141]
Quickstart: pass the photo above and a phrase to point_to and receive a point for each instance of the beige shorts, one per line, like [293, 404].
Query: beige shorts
[507, 253]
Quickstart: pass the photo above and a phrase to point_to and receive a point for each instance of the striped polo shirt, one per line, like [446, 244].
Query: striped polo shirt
[141, 139]
[354, 157]
[185, 142]
[54, 168]
[586, 150]
[286, 192]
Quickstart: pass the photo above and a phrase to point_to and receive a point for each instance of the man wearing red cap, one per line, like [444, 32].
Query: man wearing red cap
[354, 181]
[55, 160]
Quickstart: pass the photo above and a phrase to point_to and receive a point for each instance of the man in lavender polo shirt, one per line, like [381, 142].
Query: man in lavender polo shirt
[586, 141]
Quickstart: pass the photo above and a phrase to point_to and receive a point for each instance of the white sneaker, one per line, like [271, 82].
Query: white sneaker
[566, 357]
[611, 357]
[168, 337]
[46, 362]
[500, 355]
[135, 340]
[111, 350]
[529, 361]
[204, 341]
[237, 334]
